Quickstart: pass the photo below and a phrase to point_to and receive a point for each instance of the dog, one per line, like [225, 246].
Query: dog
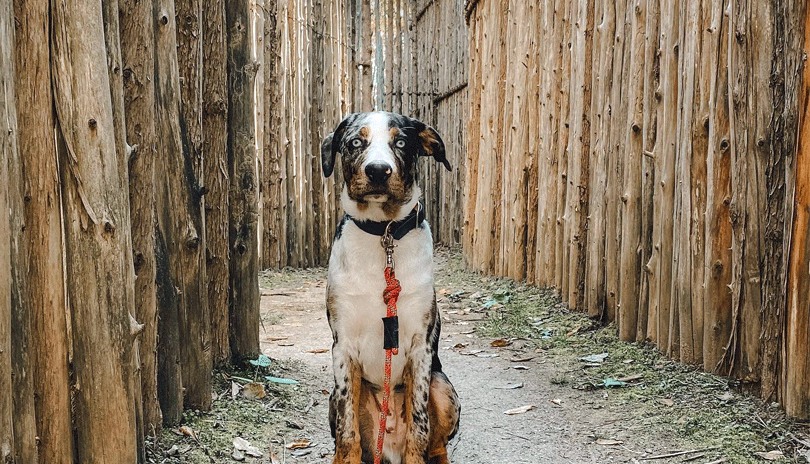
[379, 152]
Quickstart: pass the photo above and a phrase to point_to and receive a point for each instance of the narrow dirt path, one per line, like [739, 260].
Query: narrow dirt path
[565, 425]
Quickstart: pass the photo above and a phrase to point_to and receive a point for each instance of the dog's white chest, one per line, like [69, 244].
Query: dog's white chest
[357, 282]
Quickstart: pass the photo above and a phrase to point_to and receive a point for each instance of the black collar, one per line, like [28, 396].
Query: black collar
[398, 228]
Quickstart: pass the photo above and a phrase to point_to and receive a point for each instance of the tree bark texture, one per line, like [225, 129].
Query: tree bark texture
[179, 201]
[96, 213]
[43, 234]
[7, 145]
[195, 316]
[243, 194]
[215, 169]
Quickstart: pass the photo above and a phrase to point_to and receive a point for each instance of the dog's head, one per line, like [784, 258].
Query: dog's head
[379, 153]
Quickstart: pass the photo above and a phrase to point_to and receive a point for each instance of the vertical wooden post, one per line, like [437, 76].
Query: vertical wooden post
[43, 233]
[717, 302]
[244, 264]
[217, 182]
[7, 144]
[796, 361]
[138, 57]
[195, 318]
[630, 263]
[96, 213]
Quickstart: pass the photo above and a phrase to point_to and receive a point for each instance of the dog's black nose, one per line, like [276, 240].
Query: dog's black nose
[378, 172]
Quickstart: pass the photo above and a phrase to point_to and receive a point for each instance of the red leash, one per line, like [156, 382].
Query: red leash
[391, 335]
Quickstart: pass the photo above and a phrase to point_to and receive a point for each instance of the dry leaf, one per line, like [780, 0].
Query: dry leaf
[628, 361]
[726, 396]
[519, 410]
[286, 344]
[522, 359]
[631, 378]
[254, 391]
[298, 444]
[234, 390]
[274, 459]
[241, 444]
[510, 386]
[500, 342]
[324, 392]
[486, 355]
[467, 332]
[444, 291]
[319, 351]
[557, 401]
[238, 455]
[666, 401]
[770, 455]
[520, 367]
[471, 352]
[460, 345]
[606, 441]
[254, 452]
[186, 430]
[275, 339]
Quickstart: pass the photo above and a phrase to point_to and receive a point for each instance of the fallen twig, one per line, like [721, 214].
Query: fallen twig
[679, 453]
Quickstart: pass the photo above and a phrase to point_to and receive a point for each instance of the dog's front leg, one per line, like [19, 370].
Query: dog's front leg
[417, 394]
[344, 409]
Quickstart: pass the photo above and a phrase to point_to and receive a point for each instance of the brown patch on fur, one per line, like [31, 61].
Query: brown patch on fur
[364, 132]
[429, 140]
[443, 412]
[394, 132]
[351, 452]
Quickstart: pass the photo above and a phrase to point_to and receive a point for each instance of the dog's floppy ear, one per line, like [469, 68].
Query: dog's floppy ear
[431, 143]
[331, 145]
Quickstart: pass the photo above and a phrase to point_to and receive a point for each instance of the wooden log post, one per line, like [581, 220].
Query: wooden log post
[717, 301]
[217, 183]
[195, 318]
[138, 62]
[180, 219]
[43, 234]
[243, 196]
[7, 134]
[795, 378]
[96, 214]
[23, 411]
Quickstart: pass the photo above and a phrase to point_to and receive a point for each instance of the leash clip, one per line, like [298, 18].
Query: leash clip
[387, 242]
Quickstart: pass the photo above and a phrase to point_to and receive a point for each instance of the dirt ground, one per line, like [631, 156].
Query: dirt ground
[505, 347]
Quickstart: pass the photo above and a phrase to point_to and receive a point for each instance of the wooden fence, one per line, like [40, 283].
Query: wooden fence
[128, 264]
[642, 159]
[325, 59]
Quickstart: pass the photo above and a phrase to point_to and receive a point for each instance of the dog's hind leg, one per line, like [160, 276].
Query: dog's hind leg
[444, 410]
[344, 412]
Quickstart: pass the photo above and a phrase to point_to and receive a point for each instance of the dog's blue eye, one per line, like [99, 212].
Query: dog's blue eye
[356, 143]
[400, 143]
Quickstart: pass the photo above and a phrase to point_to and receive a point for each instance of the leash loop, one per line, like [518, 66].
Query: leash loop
[390, 322]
